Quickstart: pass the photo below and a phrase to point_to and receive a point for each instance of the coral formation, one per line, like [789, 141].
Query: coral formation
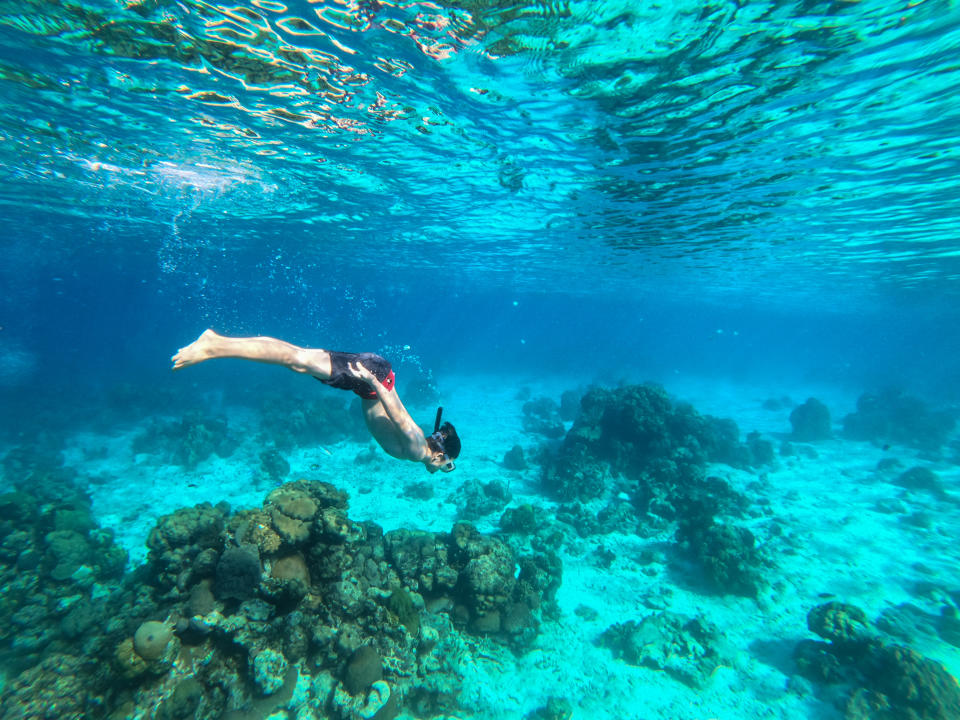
[884, 681]
[811, 421]
[185, 546]
[890, 416]
[238, 573]
[525, 519]
[151, 639]
[488, 588]
[475, 500]
[364, 668]
[188, 441]
[292, 606]
[55, 687]
[840, 623]
[269, 670]
[513, 459]
[639, 432]
[287, 422]
[380, 702]
[647, 458]
[183, 702]
[58, 571]
[273, 465]
[542, 416]
[728, 555]
[689, 649]
[921, 478]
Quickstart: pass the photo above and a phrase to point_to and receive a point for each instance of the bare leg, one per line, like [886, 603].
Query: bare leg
[210, 345]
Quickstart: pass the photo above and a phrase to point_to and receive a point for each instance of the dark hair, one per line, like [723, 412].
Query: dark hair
[451, 441]
[449, 445]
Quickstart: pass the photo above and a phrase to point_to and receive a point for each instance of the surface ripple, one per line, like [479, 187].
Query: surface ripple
[782, 136]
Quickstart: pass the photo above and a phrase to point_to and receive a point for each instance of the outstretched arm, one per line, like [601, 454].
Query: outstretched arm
[391, 404]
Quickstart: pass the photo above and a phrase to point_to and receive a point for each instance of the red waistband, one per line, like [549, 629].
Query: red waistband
[388, 382]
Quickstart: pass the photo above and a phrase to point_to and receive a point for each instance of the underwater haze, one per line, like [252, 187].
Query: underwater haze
[683, 275]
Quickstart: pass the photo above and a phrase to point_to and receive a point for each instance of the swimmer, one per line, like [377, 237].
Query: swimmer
[368, 375]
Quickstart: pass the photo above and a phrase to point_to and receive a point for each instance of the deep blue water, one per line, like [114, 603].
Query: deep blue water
[762, 194]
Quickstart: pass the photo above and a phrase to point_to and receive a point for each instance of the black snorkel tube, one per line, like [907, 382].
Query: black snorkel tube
[438, 439]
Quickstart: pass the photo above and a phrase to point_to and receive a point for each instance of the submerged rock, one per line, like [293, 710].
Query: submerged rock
[811, 421]
[921, 478]
[728, 555]
[513, 459]
[686, 648]
[893, 416]
[888, 681]
[638, 432]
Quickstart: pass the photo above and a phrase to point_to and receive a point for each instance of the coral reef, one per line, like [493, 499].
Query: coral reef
[883, 681]
[475, 500]
[185, 547]
[570, 405]
[38, 469]
[525, 519]
[810, 421]
[187, 442]
[58, 571]
[647, 457]
[689, 649]
[152, 639]
[485, 586]
[513, 459]
[890, 416]
[54, 688]
[289, 607]
[728, 555]
[542, 416]
[639, 432]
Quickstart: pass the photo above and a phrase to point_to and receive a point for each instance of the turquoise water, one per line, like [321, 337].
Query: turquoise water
[812, 137]
[531, 211]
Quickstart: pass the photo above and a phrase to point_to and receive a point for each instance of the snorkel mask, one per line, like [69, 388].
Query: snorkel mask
[439, 439]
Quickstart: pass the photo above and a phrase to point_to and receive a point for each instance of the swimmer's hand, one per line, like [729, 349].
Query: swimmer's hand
[358, 370]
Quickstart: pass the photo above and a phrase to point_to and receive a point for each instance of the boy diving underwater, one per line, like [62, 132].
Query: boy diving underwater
[366, 374]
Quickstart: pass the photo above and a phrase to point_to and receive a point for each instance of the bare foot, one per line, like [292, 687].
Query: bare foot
[196, 352]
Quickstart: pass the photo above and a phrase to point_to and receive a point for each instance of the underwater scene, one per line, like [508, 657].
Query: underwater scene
[479, 360]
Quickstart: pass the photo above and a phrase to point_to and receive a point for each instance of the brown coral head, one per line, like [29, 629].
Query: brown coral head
[150, 640]
[291, 567]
